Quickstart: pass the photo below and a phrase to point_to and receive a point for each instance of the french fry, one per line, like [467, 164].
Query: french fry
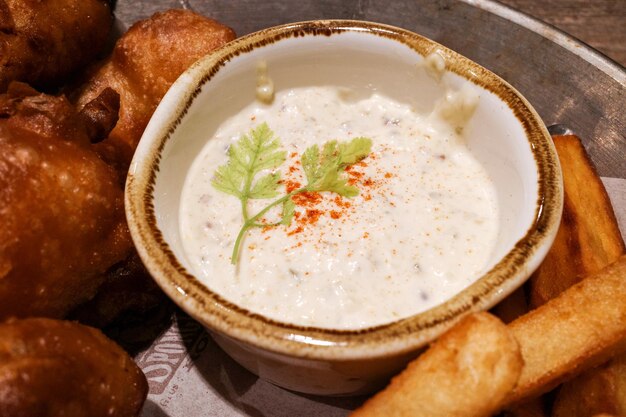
[581, 328]
[467, 372]
[588, 238]
[602, 390]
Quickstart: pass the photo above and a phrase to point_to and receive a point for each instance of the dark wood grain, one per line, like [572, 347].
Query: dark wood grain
[599, 23]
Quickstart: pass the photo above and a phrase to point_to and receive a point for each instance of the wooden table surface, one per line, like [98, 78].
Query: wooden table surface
[601, 24]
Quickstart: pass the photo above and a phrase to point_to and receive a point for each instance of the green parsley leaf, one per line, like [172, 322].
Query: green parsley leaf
[266, 186]
[250, 155]
[355, 150]
[324, 170]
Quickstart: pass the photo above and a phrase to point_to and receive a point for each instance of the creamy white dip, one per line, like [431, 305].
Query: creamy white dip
[421, 229]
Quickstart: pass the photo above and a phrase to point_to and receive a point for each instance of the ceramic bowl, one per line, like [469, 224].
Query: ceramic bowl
[505, 134]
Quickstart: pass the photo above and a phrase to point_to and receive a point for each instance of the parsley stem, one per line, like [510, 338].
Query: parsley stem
[244, 208]
[252, 221]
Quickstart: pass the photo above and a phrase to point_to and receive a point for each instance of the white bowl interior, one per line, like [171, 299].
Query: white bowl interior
[365, 63]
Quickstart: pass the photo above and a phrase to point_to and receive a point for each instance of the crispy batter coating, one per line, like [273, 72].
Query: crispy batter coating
[61, 207]
[43, 42]
[145, 62]
[59, 368]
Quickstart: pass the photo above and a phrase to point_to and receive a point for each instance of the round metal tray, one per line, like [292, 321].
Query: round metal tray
[566, 81]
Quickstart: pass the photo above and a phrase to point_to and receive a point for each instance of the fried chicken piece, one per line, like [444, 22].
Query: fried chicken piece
[61, 206]
[145, 62]
[59, 368]
[44, 42]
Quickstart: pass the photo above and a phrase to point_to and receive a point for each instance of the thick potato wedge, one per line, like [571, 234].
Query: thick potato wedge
[602, 390]
[466, 372]
[579, 329]
[588, 238]
[469, 369]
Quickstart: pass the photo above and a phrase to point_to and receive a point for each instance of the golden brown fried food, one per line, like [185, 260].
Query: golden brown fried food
[128, 288]
[61, 206]
[466, 372]
[59, 368]
[588, 238]
[581, 328]
[44, 42]
[144, 64]
[602, 390]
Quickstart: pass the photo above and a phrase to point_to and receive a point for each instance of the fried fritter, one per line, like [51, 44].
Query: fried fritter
[61, 206]
[59, 368]
[44, 42]
[145, 62]
[128, 288]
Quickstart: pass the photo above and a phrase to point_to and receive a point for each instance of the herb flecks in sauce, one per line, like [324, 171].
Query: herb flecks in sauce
[259, 151]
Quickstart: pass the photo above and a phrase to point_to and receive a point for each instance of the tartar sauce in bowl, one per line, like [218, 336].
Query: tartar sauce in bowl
[420, 230]
[329, 197]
